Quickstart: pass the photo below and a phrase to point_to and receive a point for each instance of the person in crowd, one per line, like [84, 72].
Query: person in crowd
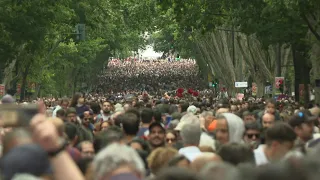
[218, 170]
[87, 120]
[252, 135]
[236, 153]
[146, 116]
[230, 128]
[179, 160]
[61, 113]
[204, 159]
[112, 135]
[104, 125]
[302, 125]
[190, 135]
[159, 158]
[71, 115]
[107, 108]
[279, 141]
[157, 135]
[205, 139]
[248, 117]
[171, 138]
[268, 120]
[86, 149]
[118, 161]
[130, 125]
[63, 104]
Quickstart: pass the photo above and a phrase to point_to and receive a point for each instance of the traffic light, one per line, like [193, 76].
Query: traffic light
[215, 83]
[178, 57]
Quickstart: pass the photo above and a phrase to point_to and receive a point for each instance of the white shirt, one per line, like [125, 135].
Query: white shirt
[260, 156]
[54, 114]
[191, 152]
[206, 140]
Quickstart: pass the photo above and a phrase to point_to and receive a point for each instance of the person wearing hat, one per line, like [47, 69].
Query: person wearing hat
[302, 124]
[157, 135]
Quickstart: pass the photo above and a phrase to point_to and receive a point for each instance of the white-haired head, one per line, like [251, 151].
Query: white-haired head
[116, 156]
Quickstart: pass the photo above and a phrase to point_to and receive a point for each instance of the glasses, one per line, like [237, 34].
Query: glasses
[250, 136]
[170, 139]
[87, 119]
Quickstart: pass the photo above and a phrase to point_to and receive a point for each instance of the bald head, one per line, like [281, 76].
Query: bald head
[268, 120]
[204, 159]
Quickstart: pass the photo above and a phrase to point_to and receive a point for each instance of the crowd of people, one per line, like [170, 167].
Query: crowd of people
[152, 76]
[164, 138]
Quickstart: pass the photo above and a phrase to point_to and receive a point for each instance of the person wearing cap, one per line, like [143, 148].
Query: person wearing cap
[302, 124]
[157, 135]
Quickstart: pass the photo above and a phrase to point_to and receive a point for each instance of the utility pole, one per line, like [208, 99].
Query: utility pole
[278, 60]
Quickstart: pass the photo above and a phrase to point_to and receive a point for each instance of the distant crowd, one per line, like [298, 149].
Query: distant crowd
[150, 75]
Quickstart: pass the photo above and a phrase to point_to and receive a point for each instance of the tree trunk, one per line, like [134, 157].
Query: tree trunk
[301, 71]
[24, 80]
[315, 59]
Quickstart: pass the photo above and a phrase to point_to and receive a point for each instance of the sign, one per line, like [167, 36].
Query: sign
[241, 84]
[268, 90]
[279, 82]
[2, 90]
[254, 89]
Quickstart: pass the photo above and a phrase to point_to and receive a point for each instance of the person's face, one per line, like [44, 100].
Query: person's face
[87, 118]
[126, 107]
[106, 107]
[64, 105]
[305, 131]
[136, 146]
[87, 150]
[222, 131]
[251, 136]
[268, 121]
[271, 108]
[179, 109]
[104, 126]
[72, 117]
[249, 119]
[170, 139]
[157, 136]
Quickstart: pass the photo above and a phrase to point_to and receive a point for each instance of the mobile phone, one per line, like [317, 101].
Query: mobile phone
[17, 115]
[168, 119]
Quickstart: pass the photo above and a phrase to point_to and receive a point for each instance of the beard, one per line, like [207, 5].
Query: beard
[106, 111]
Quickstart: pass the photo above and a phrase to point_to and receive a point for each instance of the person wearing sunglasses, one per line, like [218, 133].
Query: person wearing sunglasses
[252, 135]
[171, 138]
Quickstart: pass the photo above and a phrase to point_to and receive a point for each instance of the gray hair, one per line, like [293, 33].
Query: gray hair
[190, 134]
[220, 170]
[190, 119]
[115, 156]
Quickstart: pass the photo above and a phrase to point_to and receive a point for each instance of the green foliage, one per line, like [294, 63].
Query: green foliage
[40, 36]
